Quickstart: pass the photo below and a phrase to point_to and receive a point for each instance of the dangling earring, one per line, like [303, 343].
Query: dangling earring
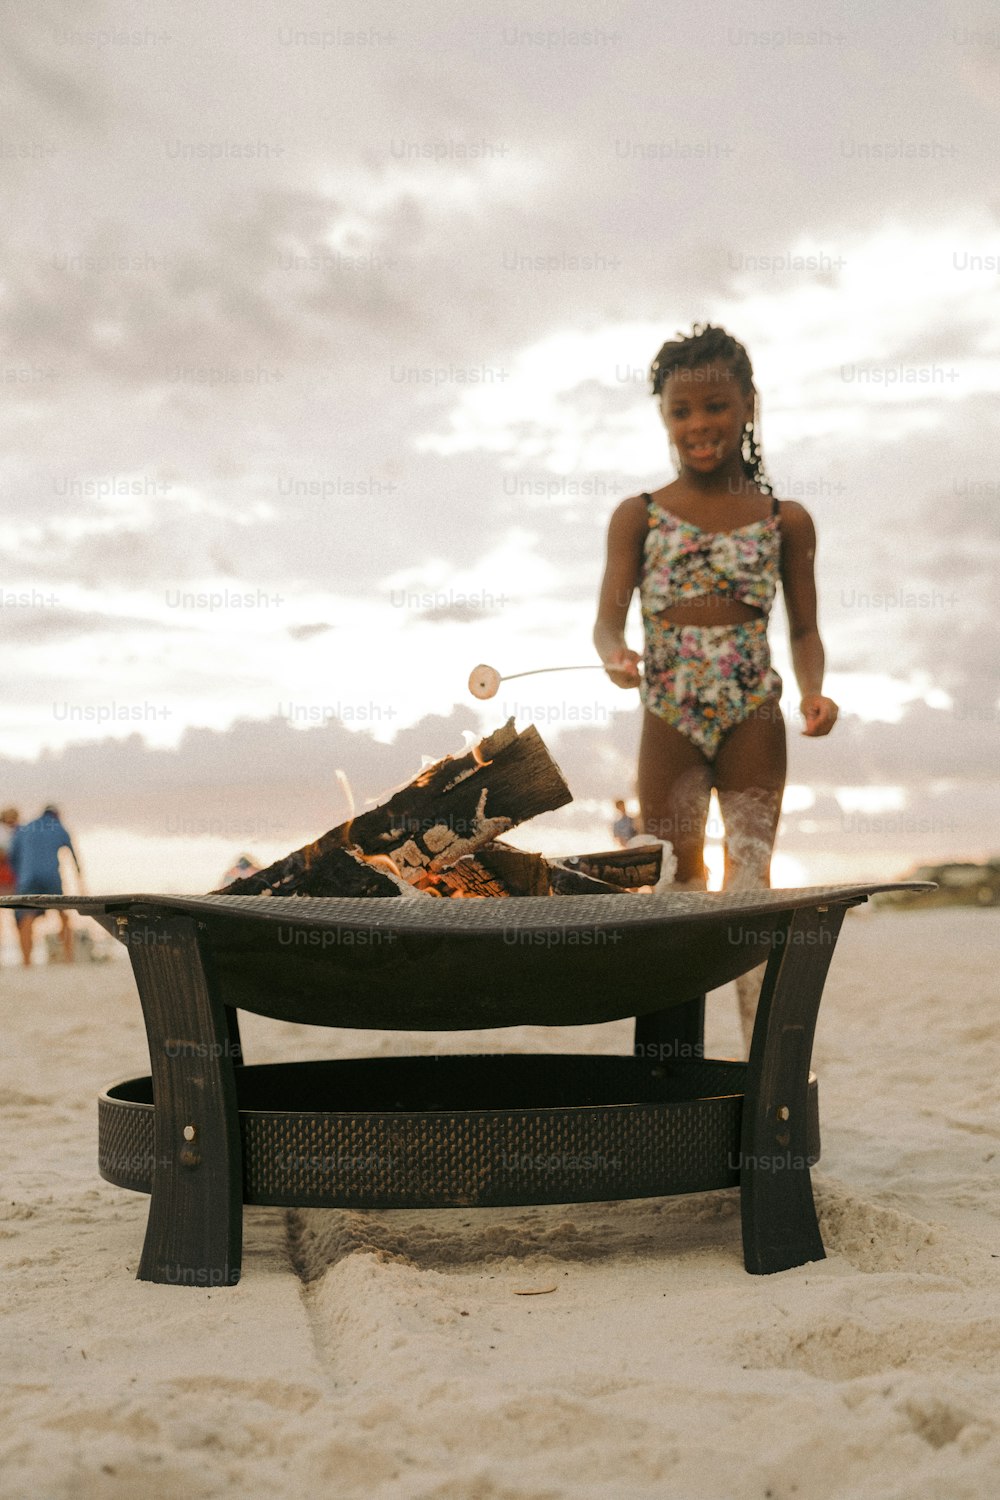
[746, 447]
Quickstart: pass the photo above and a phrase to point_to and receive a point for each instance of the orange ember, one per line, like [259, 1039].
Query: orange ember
[429, 770]
[421, 879]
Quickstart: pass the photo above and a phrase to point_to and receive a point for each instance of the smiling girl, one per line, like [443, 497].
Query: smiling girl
[706, 553]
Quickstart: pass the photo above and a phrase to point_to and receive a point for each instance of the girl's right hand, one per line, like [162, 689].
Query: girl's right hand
[623, 668]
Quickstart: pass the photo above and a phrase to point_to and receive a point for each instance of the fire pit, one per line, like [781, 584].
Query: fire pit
[206, 1133]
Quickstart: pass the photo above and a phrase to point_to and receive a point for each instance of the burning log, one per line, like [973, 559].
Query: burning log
[468, 877]
[567, 882]
[625, 868]
[335, 870]
[523, 873]
[607, 873]
[527, 874]
[450, 811]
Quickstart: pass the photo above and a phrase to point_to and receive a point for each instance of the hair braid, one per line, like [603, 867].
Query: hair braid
[705, 344]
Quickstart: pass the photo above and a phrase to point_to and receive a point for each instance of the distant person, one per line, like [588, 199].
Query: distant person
[244, 866]
[623, 827]
[34, 858]
[9, 820]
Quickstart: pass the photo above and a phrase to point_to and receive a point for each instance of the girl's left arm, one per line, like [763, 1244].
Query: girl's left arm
[798, 580]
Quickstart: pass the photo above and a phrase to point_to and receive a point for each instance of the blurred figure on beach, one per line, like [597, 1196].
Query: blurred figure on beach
[9, 819]
[244, 866]
[34, 859]
[623, 828]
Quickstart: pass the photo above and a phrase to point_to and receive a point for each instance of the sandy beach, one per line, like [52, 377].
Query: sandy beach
[388, 1354]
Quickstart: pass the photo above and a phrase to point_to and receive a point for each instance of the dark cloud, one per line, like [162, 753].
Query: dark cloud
[268, 764]
[50, 623]
[944, 347]
[306, 632]
[926, 745]
[950, 823]
[59, 91]
[263, 775]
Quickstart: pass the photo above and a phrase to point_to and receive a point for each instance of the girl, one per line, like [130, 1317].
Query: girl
[706, 553]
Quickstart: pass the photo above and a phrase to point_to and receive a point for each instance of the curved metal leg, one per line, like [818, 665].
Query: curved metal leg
[779, 1217]
[195, 1229]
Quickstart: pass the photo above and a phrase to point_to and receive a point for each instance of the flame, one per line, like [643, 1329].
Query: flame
[378, 861]
[472, 748]
[345, 787]
[428, 769]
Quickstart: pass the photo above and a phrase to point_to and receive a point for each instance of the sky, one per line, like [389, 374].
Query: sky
[325, 345]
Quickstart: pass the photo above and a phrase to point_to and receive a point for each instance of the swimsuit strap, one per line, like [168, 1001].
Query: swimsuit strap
[774, 504]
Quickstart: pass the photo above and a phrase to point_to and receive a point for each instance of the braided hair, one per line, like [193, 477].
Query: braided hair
[705, 344]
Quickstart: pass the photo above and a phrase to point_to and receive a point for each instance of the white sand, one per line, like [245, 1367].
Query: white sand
[385, 1354]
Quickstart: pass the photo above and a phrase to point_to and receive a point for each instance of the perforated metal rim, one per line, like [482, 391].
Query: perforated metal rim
[463, 1158]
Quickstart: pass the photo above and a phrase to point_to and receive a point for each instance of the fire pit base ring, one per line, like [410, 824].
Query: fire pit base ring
[410, 1132]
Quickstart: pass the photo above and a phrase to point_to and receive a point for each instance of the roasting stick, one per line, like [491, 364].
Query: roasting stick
[484, 681]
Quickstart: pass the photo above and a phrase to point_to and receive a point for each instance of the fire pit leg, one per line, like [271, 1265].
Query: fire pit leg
[780, 1229]
[195, 1229]
[678, 1032]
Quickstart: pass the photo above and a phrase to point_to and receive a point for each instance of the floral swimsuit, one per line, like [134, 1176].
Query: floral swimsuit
[706, 679]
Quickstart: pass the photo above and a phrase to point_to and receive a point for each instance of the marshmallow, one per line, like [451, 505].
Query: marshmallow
[484, 681]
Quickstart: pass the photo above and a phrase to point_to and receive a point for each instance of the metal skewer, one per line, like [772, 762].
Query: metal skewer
[484, 681]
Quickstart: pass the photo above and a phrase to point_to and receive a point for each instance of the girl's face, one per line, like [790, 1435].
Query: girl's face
[705, 412]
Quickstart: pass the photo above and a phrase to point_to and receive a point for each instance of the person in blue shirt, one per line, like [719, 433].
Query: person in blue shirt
[34, 858]
[623, 827]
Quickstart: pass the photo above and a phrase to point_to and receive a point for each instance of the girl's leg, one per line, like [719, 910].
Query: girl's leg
[674, 783]
[750, 779]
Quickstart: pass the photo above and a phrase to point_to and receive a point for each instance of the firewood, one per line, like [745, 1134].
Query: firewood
[567, 882]
[451, 809]
[625, 868]
[467, 877]
[522, 872]
[333, 872]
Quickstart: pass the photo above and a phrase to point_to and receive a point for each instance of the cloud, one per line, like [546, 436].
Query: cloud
[264, 775]
[927, 745]
[455, 614]
[307, 632]
[269, 770]
[36, 626]
[57, 91]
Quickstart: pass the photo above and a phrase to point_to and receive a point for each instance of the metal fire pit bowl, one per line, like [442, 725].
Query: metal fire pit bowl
[205, 1133]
